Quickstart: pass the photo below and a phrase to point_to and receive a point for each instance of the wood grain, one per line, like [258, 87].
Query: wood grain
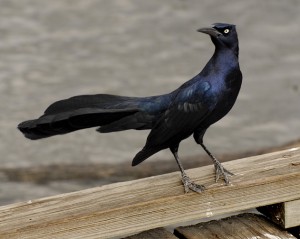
[236, 227]
[158, 233]
[292, 213]
[122, 209]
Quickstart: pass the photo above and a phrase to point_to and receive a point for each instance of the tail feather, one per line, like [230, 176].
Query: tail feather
[50, 125]
[29, 129]
[102, 101]
[139, 120]
[77, 113]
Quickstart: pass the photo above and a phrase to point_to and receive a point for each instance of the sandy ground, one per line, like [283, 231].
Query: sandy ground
[51, 50]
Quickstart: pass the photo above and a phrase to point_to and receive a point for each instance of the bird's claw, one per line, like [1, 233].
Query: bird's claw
[190, 185]
[223, 172]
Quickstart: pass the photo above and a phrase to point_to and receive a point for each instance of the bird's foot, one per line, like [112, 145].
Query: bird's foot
[190, 185]
[222, 172]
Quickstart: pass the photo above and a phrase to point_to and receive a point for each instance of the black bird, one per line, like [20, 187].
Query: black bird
[172, 117]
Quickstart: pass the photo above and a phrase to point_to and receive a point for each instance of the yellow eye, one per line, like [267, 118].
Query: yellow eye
[226, 30]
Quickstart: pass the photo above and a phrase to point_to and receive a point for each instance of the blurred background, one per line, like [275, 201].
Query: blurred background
[50, 50]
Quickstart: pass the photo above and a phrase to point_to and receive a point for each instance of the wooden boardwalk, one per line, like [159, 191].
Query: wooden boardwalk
[122, 209]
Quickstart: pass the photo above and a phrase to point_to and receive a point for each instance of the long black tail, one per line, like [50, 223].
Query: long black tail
[87, 111]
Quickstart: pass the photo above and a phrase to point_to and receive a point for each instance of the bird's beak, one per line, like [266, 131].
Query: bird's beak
[210, 31]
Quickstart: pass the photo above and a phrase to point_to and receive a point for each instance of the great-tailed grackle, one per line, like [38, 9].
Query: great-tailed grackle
[172, 117]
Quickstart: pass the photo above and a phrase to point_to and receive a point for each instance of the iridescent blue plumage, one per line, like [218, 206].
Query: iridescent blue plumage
[190, 109]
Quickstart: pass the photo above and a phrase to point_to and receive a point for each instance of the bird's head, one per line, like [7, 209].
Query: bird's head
[223, 35]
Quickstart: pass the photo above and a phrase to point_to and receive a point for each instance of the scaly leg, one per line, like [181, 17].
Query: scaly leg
[187, 182]
[220, 170]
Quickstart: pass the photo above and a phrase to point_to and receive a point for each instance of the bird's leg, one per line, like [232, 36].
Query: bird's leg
[187, 182]
[220, 170]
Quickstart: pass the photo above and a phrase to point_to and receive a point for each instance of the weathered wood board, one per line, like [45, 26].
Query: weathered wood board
[237, 227]
[158, 233]
[121, 209]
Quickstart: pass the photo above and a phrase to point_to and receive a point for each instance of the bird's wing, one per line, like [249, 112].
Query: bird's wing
[191, 105]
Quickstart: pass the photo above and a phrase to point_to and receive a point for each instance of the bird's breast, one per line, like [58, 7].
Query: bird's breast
[226, 92]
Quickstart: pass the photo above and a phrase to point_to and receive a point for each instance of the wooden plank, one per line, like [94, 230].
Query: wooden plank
[158, 233]
[286, 214]
[292, 213]
[236, 227]
[121, 209]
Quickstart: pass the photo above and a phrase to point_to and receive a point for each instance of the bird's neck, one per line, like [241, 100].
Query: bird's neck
[235, 50]
[221, 47]
[223, 61]
[224, 56]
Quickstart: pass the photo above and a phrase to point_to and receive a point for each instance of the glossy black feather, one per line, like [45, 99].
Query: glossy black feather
[172, 117]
